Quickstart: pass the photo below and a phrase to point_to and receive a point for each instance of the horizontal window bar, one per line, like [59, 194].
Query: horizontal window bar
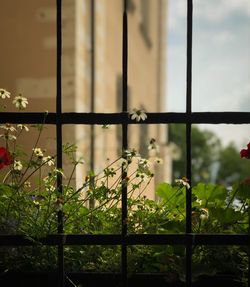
[132, 239]
[123, 118]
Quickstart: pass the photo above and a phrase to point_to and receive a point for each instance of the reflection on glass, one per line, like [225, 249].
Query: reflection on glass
[221, 65]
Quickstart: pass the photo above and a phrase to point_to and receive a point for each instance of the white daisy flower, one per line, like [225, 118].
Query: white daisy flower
[20, 102]
[49, 160]
[4, 94]
[38, 152]
[204, 214]
[23, 127]
[130, 153]
[199, 201]
[8, 136]
[144, 162]
[50, 188]
[153, 145]
[183, 182]
[59, 171]
[18, 165]
[138, 115]
[8, 127]
[27, 184]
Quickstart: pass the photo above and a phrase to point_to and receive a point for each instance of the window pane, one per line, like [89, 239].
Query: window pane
[216, 153]
[92, 182]
[221, 56]
[90, 264]
[28, 259]
[28, 51]
[160, 265]
[28, 180]
[220, 265]
[176, 56]
[92, 66]
[220, 179]
[147, 55]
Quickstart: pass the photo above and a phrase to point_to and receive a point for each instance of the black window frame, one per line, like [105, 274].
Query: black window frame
[58, 119]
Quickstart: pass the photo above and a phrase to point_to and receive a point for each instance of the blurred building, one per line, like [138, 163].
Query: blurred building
[92, 69]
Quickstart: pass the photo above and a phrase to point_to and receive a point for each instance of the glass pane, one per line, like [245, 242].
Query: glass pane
[220, 179]
[93, 265]
[160, 265]
[221, 67]
[28, 180]
[216, 153]
[176, 56]
[28, 259]
[156, 202]
[92, 179]
[28, 51]
[147, 55]
[92, 58]
[220, 265]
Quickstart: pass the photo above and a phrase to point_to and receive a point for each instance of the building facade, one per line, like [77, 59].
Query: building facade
[91, 72]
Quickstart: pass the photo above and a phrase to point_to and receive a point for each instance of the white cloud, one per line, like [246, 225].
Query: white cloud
[218, 10]
[177, 15]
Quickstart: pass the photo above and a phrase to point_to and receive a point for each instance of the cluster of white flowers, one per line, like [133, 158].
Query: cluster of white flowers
[20, 102]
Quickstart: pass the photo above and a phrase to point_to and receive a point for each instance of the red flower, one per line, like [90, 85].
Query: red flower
[5, 157]
[245, 152]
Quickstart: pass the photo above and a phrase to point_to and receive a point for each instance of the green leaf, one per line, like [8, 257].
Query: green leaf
[173, 196]
[210, 193]
[244, 191]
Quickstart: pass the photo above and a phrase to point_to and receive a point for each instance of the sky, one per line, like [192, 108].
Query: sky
[221, 61]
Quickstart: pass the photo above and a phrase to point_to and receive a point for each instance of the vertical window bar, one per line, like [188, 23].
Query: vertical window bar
[61, 274]
[188, 141]
[92, 103]
[124, 139]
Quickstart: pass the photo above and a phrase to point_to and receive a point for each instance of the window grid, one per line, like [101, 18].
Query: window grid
[188, 118]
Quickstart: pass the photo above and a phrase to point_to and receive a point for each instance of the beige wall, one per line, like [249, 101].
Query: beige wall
[28, 55]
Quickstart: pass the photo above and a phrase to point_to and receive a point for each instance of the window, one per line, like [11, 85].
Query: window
[122, 242]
